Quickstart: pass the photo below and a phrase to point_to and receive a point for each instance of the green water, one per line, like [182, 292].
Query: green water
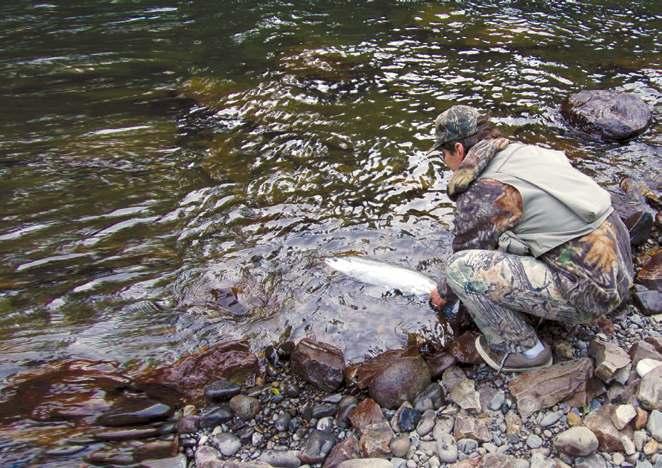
[153, 152]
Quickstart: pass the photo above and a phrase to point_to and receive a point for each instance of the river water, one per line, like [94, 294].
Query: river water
[160, 158]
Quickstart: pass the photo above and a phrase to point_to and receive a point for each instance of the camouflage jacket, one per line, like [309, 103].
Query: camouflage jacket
[594, 270]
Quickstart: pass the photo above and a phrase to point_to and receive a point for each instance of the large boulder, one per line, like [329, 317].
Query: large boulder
[319, 363]
[400, 381]
[610, 115]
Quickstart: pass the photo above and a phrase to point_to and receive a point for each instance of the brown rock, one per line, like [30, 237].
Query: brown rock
[376, 440]
[438, 363]
[641, 419]
[157, 449]
[364, 373]
[650, 274]
[546, 387]
[366, 413]
[577, 442]
[467, 427]
[651, 447]
[451, 377]
[513, 423]
[611, 362]
[500, 460]
[401, 381]
[463, 349]
[348, 449]
[610, 438]
[574, 419]
[643, 350]
[71, 390]
[189, 375]
[318, 363]
[656, 341]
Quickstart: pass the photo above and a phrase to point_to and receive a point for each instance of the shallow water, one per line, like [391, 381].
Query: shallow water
[155, 155]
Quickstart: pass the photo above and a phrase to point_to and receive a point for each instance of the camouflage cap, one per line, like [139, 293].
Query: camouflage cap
[455, 123]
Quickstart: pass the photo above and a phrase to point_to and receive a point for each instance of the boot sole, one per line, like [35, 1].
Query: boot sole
[496, 366]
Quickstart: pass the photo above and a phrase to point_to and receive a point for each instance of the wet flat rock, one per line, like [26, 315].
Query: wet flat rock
[546, 387]
[189, 375]
[610, 115]
[130, 412]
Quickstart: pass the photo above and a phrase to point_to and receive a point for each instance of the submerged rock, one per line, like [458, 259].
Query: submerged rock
[610, 115]
[318, 363]
[544, 388]
[189, 375]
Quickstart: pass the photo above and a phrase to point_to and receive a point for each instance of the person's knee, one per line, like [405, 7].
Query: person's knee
[456, 271]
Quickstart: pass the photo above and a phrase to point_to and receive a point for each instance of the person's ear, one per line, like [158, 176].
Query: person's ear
[459, 150]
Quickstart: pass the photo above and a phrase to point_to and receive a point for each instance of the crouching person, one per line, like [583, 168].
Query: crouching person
[533, 236]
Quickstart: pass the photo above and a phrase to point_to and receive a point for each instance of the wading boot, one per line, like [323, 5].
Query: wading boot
[512, 362]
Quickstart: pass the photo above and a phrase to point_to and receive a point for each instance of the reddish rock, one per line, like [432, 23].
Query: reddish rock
[376, 440]
[543, 388]
[438, 363]
[364, 373]
[641, 419]
[400, 381]
[463, 349]
[156, 449]
[318, 363]
[189, 375]
[610, 438]
[348, 449]
[650, 274]
[366, 413]
[467, 427]
[75, 390]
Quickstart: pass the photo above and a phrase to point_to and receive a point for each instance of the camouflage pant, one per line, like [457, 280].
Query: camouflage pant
[498, 288]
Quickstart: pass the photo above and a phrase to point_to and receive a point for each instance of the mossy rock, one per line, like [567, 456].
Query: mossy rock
[209, 91]
[331, 65]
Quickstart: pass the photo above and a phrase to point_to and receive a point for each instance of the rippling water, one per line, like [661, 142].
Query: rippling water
[156, 154]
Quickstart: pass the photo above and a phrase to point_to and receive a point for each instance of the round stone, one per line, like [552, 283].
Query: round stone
[577, 441]
[534, 441]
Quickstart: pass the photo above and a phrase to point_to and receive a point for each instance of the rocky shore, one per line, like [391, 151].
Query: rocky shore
[600, 405]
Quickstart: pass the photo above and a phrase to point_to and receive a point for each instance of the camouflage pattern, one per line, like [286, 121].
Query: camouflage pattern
[575, 282]
[455, 123]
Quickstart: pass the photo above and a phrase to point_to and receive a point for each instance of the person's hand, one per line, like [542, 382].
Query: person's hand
[436, 301]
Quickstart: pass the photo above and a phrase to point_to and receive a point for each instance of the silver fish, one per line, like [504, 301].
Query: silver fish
[383, 274]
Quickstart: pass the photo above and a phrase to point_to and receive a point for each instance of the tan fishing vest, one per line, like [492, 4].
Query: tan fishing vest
[559, 202]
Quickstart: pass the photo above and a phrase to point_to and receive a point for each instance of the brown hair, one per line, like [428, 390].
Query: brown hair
[486, 131]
